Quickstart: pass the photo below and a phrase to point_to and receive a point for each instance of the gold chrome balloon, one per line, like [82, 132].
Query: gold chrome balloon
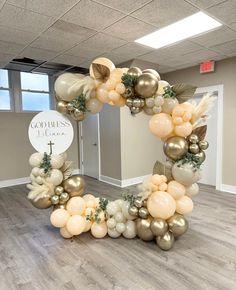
[133, 210]
[193, 138]
[159, 227]
[137, 102]
[175, 147]
[153, 72]
[178, 225]
[64, 197]
[78, 115]
[138, 202]
[193, 148]
[129, 102]
[135, 110]
[201, 156]
[143, 212]
[62, 107]
[129, 92]
[55, 199]
[143, 229]
[134, 71]
[70, 107]
[165, 242]
[74, 185]
[42, 203]
[63, 206]
[58, 190]
[146, 85]
[203, 144]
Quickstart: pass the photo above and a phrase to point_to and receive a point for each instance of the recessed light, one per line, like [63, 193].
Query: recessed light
[180, 30]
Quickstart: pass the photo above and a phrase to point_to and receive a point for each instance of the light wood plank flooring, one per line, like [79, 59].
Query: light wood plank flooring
[34, 256]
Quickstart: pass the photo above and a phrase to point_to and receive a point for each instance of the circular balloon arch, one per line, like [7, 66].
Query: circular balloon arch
[157, 212]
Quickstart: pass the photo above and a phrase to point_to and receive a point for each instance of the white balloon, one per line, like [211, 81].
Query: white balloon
[125, 210]
[57, 161]
[112, 208]
[120, 227]
[111, 223]
[35, 159]
[55, 177]
[119, 202]
[130, 231]
[192, 190]
[119, 217]
[113, 233]
[35, 171]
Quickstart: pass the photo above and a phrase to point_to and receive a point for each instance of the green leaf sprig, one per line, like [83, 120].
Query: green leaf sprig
[190, 158]
[46, 164]
[103, 202]
[128, 196]
[80, 103]
[169, 92]
[128, 80]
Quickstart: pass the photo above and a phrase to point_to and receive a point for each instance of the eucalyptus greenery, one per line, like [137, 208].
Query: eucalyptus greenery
[46, 164]
[128, 196]
[101, 207]
[128, 80]
[190, 158]
[80, 103]
[169, 92]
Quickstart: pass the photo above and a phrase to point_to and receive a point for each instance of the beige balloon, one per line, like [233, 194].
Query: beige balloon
[74, 185]
[99, 230]
[75, 225]
[185, 174]
[178, 225]
[175, 147]
[161, 125]
[184, 205]
[161, 86]
[76, 205]
[59, 218]
[165, 242]
[143, 229]
[169, 104]
[94, 106]
[176, 189]
[146, 85]
[103, 61]
[192, 190]
[65, 234]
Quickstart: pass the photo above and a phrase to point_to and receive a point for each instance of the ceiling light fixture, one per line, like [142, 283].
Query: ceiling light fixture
[180, 30]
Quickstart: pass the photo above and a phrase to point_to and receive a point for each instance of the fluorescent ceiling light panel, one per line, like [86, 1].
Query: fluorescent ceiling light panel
[180, 30]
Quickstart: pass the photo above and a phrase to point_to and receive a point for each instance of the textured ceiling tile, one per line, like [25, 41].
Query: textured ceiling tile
[116, 58]
[225, 11]
[68, 32]
[23, 19]
[69, 59]
[39, 54]
[12, 35]
[154, 56]
[83, 52]
[180, 48]
[215, 37]
[228, 48]
[11, 48]
[205, 3]
[2, 3]
[46, 7]
[161, 13]
[6, 57]
[129, 29]
[125, 6]
[131, 49]
[199, 56]
[92, 15]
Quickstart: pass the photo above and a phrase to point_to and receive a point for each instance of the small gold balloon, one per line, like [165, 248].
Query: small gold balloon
[70, 107]
[129, 92]
[133, 210]
[203, 144]
[153, 72]
[178, 225]
[42, 203]
[74, 185]
[62, 107]
[134, 71]
[58, 190]
[64, 197]
[175, 147]
[159, 227]
[63, 206]
[165, 242]
[193, 138]
[193, 148]
[201, 156]
[138, 202]
[129, 102]
[78, 115]
[55, 199]
[146, 85]
[135, 110]
[143, 212]
[137, 102]
[145, 202]
[143, 229]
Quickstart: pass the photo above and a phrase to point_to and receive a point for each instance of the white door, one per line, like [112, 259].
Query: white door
[209, 165]
[90, 146]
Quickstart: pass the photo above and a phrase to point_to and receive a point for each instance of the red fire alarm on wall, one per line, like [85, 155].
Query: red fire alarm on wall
[207, 66]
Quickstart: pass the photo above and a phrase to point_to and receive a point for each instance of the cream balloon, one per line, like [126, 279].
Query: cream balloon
[103, 61]
[94, 106]
[125, 211]
[184, 129]
[111, 223]
[120, 88]
[113, 96]
[76, 205]
[110, 84]
[55, 177]
[59, 218]
[161, 204]
[130, 230]
[192, 190]
[113, 233]
[116, 74]
[75, 224]
[185, 174]
[102, 94]
[65, 234]
[36, 159]
[57, 161]
[99, 230]
[88, 197]
[161, 125]
[184, 205]
[176, 189]
[88, 225]
[161, 86]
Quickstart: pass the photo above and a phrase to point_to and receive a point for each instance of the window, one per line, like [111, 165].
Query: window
[35, 95]
[5, 100]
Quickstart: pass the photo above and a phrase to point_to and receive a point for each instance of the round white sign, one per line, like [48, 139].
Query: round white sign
[50, 132]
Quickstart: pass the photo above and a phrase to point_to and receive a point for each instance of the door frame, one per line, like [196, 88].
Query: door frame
[81, 146]
[219, 138]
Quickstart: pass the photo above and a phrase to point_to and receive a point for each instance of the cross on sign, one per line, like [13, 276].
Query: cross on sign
[50, 144]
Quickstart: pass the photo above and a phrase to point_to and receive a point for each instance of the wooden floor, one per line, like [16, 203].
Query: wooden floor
[34, 256]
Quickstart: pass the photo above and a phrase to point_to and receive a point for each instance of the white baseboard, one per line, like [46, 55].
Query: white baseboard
[122, 183]
[228, 188]
[23, 180]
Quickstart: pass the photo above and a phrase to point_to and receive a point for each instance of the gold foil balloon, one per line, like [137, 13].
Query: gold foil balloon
[137, 102]
[133, 210]
[62, 107]
[42, 203]
[165, 242]
[153, 72]
[58, 190]
[138, 202]
[129, 102]
[134, 71]
[178, 225]
[64, 197]
[135, 110]
[78, 115]
[203, 144]
[159, 227]
[143, 213]
[55, 199]
[193, 148]
[201, 156]
[193, 138]
[63, 206]
[143, 229]
[146, 85]
[74, 185]
[70, 107]
[175, 147]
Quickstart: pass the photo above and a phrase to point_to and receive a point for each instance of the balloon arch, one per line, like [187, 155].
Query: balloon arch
[158, 210]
